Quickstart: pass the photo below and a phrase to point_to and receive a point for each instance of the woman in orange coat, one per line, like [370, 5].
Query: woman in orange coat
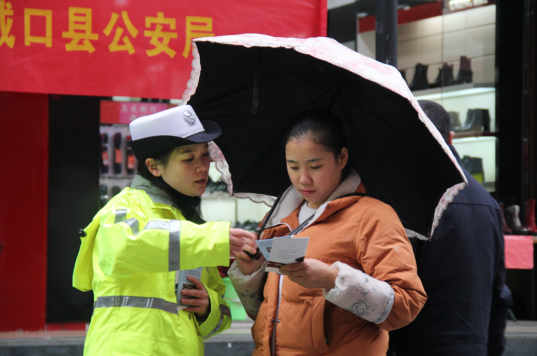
[358, 280]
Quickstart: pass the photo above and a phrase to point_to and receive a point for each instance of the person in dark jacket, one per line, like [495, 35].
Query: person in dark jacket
[463, 273]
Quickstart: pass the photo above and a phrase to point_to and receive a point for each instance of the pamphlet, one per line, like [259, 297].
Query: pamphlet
[265, 246]
[282, 251]
[182, 282]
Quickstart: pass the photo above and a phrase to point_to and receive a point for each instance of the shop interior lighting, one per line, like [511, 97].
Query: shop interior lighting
[456, 93]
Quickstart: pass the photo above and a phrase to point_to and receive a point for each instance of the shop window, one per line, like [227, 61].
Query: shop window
[449, 58]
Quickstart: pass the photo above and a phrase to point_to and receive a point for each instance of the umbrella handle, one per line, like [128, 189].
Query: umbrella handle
[271, 211]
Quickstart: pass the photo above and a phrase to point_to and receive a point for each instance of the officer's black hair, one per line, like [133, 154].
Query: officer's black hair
[189, 206]
[325, 128]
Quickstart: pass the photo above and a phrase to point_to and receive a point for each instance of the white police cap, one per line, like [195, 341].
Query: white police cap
[170, 128]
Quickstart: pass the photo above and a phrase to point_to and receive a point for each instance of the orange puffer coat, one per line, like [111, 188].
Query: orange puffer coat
[365, 234]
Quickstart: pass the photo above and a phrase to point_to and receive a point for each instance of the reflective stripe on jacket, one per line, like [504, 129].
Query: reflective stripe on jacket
[129, 257]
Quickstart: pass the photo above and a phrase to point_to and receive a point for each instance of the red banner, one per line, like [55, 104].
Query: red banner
[130, 47]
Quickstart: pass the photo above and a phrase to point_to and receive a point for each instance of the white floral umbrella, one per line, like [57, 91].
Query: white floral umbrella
[254, 85]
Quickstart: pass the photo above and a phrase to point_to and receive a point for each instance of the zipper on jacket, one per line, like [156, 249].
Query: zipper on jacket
[275, 321]
[326, 327]
[300, 228]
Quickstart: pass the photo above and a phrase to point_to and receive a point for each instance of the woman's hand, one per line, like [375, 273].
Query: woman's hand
[237, 241]
[246, 264]
[311, 274]
[201, 304]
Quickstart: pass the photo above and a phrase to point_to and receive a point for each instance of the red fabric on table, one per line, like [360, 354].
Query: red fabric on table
[518, 252]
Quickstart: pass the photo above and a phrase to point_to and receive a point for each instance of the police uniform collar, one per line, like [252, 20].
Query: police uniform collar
[157, 195]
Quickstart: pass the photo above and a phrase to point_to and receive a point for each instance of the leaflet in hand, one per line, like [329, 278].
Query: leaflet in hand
[183, 283]
[265, 246]
[283, 251]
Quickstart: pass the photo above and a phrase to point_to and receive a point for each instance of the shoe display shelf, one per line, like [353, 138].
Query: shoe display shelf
[475, 143]
[117, 163]
[452, 91]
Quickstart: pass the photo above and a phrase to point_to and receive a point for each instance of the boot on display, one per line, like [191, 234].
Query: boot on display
[483, 116]
[465, 72]
[455, 121]
[468, 124]
[420, 80]
[512, 215]
[477, 120]
[445, 75]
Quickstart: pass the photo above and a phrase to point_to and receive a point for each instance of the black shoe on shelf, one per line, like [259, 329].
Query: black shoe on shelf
[445, 75]
[477, 120]
[465, 72]
[470, 122]
[483, 115]
[512, 216]
[455, 121]
[420, 80]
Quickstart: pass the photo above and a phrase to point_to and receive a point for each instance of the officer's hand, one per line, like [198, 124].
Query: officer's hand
[246, 264]
[237, 241]
[201, 304]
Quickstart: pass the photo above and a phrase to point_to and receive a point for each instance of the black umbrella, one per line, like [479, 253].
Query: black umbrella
[253, 86]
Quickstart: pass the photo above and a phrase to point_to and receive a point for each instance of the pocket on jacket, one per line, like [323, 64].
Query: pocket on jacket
[319, 328]
[299, 328]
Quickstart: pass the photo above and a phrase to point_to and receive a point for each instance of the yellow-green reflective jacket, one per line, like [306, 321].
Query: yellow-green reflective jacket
[129, 256]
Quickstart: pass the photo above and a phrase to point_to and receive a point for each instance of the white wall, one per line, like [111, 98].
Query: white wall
[446, 38]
